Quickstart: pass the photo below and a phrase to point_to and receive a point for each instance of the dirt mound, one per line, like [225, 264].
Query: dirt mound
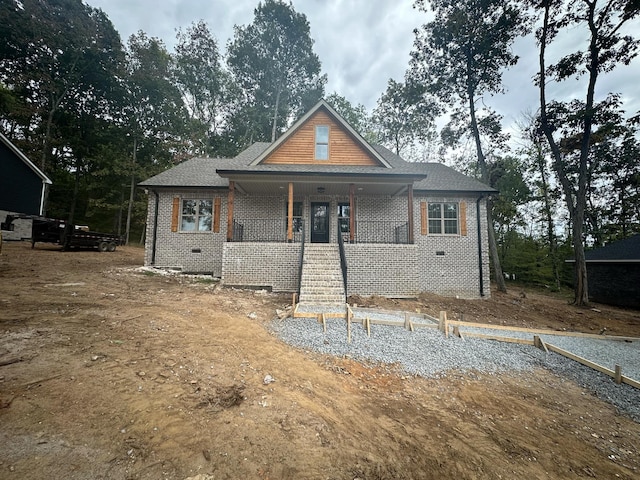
[123, 373]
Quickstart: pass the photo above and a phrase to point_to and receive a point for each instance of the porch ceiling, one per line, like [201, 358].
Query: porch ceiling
[319, 186]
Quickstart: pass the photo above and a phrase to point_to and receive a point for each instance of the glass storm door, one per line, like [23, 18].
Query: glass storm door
[319, 222]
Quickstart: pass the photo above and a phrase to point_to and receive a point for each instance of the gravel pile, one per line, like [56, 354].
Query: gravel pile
[426, 352]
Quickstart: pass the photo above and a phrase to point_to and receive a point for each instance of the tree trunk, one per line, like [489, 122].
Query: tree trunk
[493, 245]
[275, 115]
[575, 199]
[131, 192]
[548, 215]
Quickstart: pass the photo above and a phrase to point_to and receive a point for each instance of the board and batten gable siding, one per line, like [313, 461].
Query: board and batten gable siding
[299, 148]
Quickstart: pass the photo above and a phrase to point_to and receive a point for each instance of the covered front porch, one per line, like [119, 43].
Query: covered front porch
[320, 210]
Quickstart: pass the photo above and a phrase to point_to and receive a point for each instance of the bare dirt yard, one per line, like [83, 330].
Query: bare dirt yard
[111, 372]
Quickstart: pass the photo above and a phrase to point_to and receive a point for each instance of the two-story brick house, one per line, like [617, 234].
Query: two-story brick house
[322, 202]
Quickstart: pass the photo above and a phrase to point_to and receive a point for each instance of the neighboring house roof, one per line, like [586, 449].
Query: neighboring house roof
[24, 158]
[626, 250]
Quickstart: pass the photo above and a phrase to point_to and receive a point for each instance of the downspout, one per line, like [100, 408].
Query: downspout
[479, 221]
[155, 228]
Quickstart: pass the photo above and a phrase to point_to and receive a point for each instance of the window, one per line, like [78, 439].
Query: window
[297, 215]
[443, 218]
[196, 215]
[322, 142]
[344, 218]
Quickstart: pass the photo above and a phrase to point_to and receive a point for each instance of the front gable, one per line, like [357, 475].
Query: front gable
[344, 146]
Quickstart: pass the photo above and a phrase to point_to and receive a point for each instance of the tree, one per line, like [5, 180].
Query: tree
[459, 57]
[55, 55]
[356, 116]
[273, 62]
[60, 65]
[545, 192]
[607, 47]
[204, 86]
[404, 116]
[153, 111]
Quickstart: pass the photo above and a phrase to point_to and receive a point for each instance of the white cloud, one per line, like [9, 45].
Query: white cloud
[361, 44]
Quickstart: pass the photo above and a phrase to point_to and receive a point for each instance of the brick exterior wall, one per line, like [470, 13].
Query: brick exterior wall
[192, 252]
[382, 269]
[442, 264]
[273, 265]
[448, 264]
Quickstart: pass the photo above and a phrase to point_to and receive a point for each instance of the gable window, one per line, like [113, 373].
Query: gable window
[443, 218]
[322, 142]
[196, 215]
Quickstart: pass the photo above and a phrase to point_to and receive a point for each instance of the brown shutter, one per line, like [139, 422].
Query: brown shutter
[423, 218]
[175, 214]
[463, 219]
[216, 215]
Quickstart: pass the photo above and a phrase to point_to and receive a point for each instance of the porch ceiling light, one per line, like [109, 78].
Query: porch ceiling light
[320, 189]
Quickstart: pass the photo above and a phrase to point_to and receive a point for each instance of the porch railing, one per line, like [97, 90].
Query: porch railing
[266, 230]
[382, 231]
[300, 260]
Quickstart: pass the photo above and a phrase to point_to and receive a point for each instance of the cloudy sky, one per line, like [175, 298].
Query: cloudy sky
[361, 44]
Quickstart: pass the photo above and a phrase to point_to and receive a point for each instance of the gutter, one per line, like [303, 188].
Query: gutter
[479, 229]
[155, 228]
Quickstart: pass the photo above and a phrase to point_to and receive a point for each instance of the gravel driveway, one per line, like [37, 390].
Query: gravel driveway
[428, 353]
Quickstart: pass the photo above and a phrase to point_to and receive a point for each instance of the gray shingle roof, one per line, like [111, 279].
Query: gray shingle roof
[203, 172]
[627, 249]
[196, 172]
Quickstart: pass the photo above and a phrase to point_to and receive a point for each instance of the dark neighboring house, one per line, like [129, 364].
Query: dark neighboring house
[613, 273]
[23, 187]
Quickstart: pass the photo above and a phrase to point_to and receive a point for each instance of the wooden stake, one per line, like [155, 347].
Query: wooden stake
[443, 324]
[324, 323]
[408, 324]
[368, 325]
[618, 374]
[349, 325]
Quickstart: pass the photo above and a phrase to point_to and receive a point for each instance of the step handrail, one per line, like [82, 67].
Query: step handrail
[343, 260]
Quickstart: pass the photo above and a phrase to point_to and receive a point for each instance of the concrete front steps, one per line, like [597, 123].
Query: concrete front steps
[321, 283]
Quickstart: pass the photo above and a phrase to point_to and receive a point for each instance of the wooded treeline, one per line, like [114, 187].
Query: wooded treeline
[98, 116]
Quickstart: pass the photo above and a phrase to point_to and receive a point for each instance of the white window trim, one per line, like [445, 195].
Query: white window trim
[316, 143]
[197, 215]
[442, 220]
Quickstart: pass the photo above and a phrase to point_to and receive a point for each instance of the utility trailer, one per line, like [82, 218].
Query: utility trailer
[49, 230]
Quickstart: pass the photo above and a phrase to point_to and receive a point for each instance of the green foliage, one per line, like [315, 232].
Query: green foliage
[405, 115]
[528, 260]
[356, 116]
[273, 62]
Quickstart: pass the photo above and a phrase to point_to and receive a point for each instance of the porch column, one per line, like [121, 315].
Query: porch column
[290, 214]
[410, 211]
[230, 211]
[352, 213]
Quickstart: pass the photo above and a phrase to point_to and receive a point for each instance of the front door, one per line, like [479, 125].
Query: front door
[319, 222]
